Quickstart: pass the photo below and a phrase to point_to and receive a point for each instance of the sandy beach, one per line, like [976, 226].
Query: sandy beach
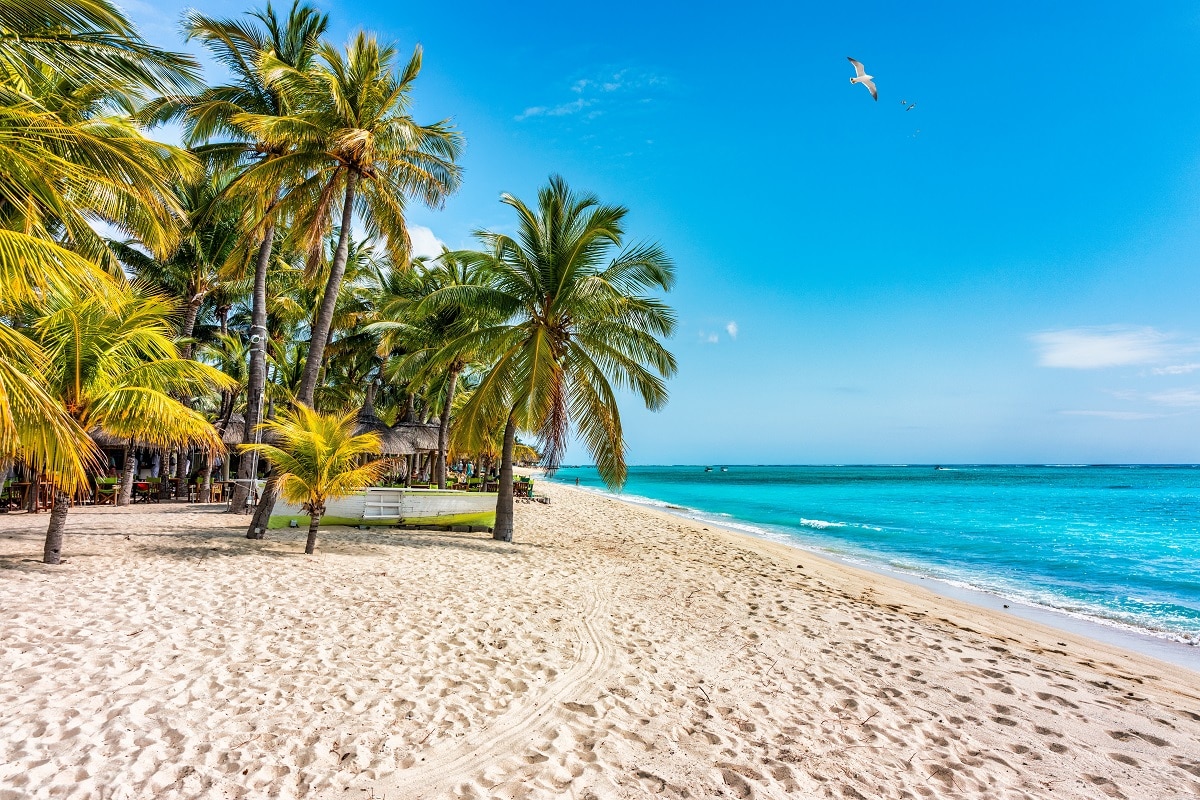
[612, 651]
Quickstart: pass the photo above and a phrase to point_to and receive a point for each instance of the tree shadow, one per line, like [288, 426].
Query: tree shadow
[344, 541]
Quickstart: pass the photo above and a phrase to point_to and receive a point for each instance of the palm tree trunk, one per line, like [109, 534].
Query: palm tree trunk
[181, 473]
[444, 427]
[262, 512]
[206, 485]
[324, 321]
[257, 379]
[189, 324]
[504, 499]
[311, 544]
[52, 553]
[125, 494]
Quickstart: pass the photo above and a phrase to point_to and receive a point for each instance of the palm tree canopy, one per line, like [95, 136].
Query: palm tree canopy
[70, 154]
[89, 39]
[112, 364]
[352, 122]
[577, 326]
[319, 456]
[34, 426]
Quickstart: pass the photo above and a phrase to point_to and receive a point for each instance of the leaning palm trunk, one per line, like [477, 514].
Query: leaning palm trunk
[52, 553]
[444, 428]
[261, 519]
[314, 522]
[316, 351]
[257, 379]
[504, 498]
[324, 320]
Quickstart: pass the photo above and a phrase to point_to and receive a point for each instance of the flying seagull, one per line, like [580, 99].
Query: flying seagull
[910, 106]
[863, 78]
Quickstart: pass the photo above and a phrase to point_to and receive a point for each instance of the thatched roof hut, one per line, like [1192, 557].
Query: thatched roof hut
[406, 438]
[232, 432]
[104, 439]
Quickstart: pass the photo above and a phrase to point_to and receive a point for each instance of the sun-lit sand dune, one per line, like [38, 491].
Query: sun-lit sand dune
[610, 652]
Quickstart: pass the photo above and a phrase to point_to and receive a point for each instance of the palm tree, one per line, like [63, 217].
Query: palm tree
[34, 427]
[216, 116]
[70, 154]
[207, 247]
[418, 332]
[361, 145]
[86, 39]
[112, 364]
[577, 328]
[319, 458]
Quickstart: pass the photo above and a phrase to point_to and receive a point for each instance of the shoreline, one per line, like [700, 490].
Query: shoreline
[1112, 633]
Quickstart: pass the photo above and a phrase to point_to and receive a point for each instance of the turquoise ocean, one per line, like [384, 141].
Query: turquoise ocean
[1115, 545]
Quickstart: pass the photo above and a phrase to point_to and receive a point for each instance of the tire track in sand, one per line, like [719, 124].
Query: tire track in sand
[516, 728]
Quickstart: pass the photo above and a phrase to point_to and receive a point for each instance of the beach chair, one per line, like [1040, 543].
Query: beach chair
[106, 491]
[154, 491]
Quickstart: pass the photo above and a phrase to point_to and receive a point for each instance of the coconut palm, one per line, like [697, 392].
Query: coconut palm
[86, 39]
[577, 329]
[208, 245]
[214, 125]
[70, 154]
[111, 362]
[319, 458]
[417, 333]
[34, 426]
[362, 147]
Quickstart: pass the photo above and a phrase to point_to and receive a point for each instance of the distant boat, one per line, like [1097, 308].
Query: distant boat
[940, 468]
[724, 469]
[708, 469]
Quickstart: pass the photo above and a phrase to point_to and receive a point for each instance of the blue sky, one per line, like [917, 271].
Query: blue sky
[1005, 273]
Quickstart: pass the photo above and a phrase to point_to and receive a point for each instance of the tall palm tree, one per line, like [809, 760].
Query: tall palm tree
[215, 124]
[417, 332]
[112, 364]
[319, 457]
[364, 148]
[577, 327]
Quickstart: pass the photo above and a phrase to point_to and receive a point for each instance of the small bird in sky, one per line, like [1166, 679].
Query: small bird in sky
[910, 106]
[863, 78]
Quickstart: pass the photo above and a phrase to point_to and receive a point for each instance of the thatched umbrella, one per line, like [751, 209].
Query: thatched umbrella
[233, 430]
[368, 422]
[408, 438]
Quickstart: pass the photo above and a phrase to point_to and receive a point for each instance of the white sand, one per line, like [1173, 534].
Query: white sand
[611, 652]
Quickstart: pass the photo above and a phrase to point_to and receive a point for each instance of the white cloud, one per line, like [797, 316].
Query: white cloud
[1096, 348]
[1175, 369]
[732, 329]
[708, 338]
[607, 90]
[1127, 415]
[424, 242]
[1177, 398]
[573, 107]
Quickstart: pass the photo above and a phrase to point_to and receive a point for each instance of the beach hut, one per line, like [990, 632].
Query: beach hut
[417, 442]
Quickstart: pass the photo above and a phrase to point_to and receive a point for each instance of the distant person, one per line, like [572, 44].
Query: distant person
[577, 481]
